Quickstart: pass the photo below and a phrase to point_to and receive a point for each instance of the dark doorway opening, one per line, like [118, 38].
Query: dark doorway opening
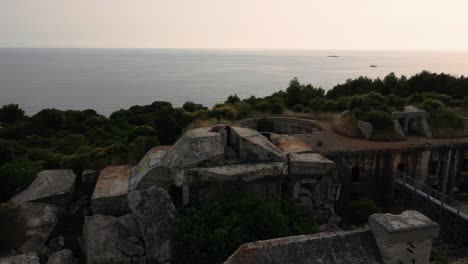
[401, 168]
[355, 174]
[177, 196]
[354, 197]
[228, 135]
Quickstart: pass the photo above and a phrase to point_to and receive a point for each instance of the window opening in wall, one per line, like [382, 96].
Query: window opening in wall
[355, 174]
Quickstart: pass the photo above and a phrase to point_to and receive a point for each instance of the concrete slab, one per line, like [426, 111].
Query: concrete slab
[49, 186]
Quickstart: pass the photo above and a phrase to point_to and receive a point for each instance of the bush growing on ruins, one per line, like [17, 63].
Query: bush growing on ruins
[358, 212]
[378, 119]
[192, 107]
[444, 118]
[277, 108]
[225, 112]
[138, 148]
[298, 108]
[167, 128]
[210, 233]
[12, 228]
[431, 105]
[243, 109]
[145, 131]
[16, 174]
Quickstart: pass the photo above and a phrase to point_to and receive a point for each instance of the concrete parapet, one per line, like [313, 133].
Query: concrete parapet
[404, 238]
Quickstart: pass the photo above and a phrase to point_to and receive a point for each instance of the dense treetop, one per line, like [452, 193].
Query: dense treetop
[53, 138]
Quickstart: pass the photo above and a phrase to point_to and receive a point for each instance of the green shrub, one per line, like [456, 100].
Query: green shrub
[6, 152]
[210, 233]
[444, 118]
[298, 108]
[243, 109]
[358, 212]
[16, 174]
[431, 105]
[262, 106]
[378, 119]
[70, 143]
[139, 147]
[12, 228]
[225, 112]
[192, 107]
[145, 131]
[11, 113]
[464, 103]
[232, 99]
[277, 108]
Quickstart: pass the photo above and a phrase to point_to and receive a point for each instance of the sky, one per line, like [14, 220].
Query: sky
[236, 24]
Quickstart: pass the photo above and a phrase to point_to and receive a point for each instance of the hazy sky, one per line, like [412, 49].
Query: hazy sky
[255, 24]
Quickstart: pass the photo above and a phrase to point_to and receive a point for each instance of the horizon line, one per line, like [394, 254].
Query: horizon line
[235, 49]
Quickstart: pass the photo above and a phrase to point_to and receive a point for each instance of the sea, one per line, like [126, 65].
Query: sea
[111, 79]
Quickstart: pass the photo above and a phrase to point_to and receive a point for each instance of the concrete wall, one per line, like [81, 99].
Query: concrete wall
[439, 167]
[366, 129]
[285, 125]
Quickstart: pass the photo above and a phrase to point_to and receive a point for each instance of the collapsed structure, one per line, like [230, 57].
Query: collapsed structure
[209, 162]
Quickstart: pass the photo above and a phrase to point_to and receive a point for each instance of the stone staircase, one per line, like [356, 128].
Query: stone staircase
[231, 156]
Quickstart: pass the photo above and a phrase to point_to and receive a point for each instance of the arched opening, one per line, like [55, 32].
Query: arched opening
[176, 194]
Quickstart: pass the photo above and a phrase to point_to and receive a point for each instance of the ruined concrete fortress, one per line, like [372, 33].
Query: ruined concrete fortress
[129, 211]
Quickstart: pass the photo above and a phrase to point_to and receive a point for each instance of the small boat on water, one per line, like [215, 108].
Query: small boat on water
[373, 66]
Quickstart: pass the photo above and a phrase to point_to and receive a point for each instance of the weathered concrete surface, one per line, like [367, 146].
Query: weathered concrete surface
[156, 215]
[366, 128]
[285, 125]
[30, 258]
[149, 168]
[110, 194]
[239, 172]
[101, 234]
[253, 147]
[40, 220]
[49, 186]
[291, 144]
[309, 164]
[354, 247]
[412, 119]
[197, 147]
[404, 238]
[407, 226]
[61, 257]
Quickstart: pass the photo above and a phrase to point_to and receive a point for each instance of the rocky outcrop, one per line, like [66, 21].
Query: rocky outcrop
[155, 214]
[110, 194]
[40, 220]
[49, 186]
[352, 247]
[61, 257]
[101, 235]
[30, 258]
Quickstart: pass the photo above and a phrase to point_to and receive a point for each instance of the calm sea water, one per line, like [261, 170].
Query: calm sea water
[107, 80]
